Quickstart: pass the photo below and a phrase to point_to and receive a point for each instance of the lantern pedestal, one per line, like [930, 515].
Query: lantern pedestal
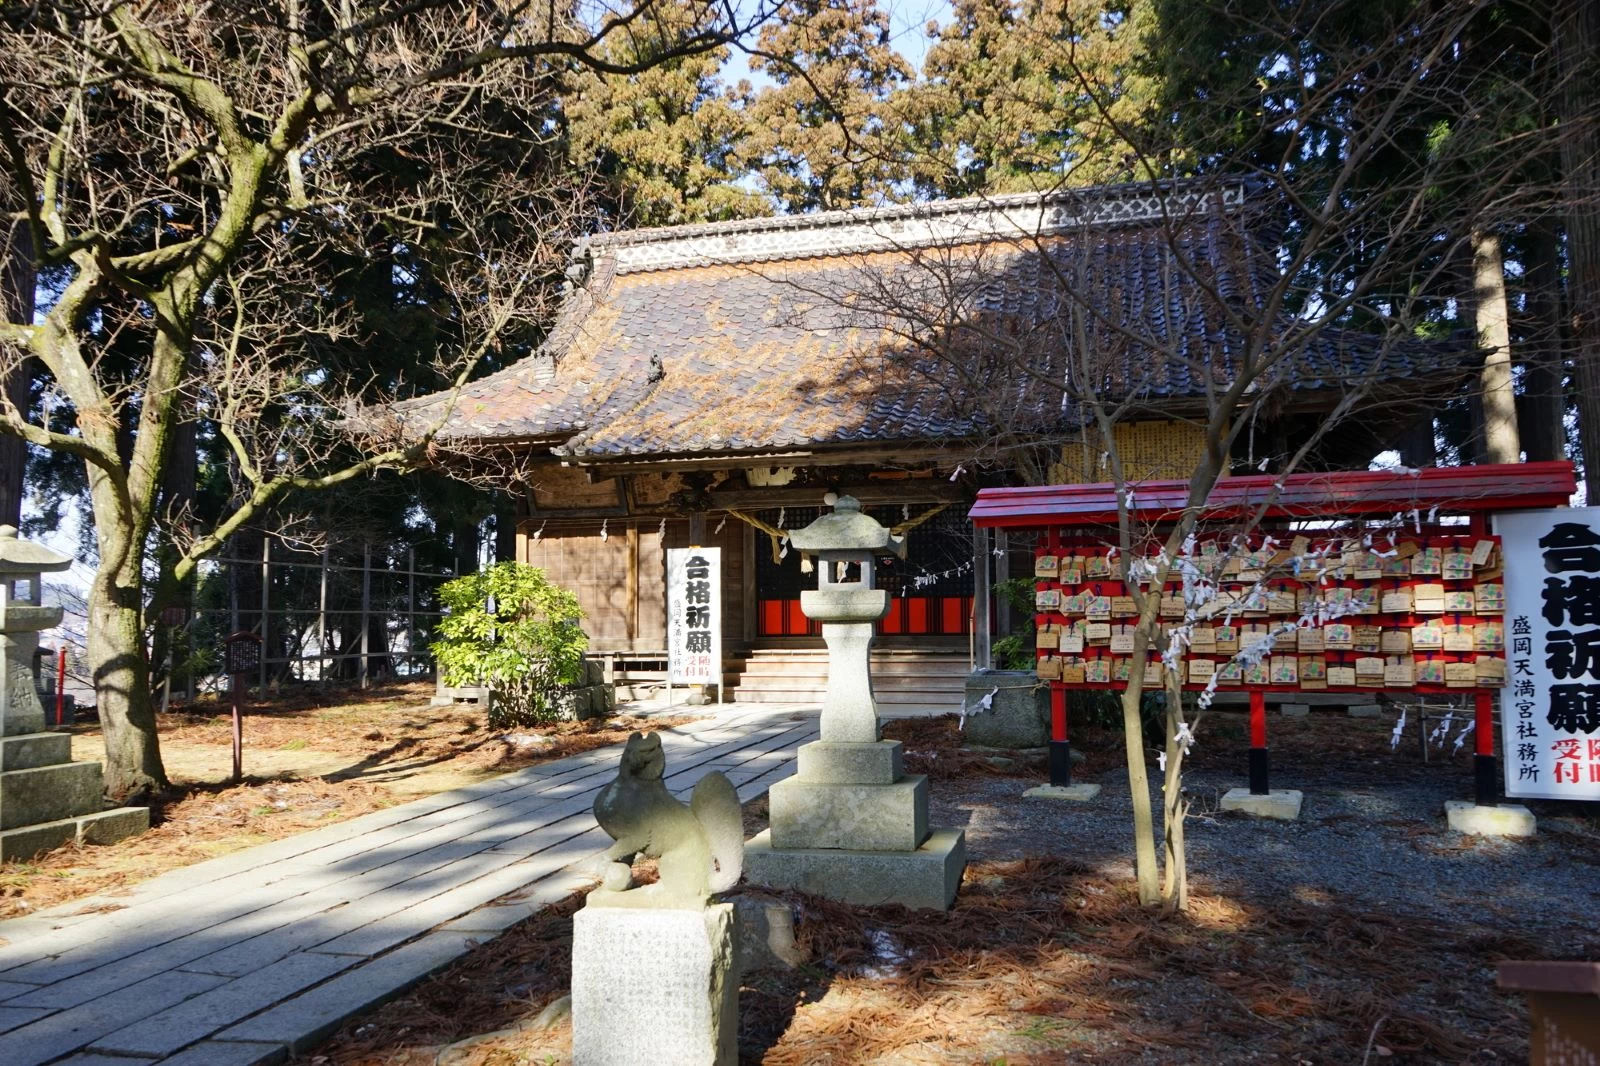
[851, 825]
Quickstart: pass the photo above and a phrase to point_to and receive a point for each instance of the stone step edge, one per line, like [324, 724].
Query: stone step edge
[96, 827]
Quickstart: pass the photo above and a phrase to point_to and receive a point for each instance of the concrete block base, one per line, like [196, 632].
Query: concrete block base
[870, 817]
[1365, 710]
[1076, 793]
[654, 987]
[924, 879]
[1295, 710]
[823, 762]
[101, 827]
[1280, 803]
[1505, 820]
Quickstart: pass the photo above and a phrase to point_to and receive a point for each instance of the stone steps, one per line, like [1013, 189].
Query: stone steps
[29, 750]
[47, 800]
[100, 827]
[49, 793]
[902, 677]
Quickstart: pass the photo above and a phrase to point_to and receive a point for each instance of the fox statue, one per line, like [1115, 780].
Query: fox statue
[699, 846]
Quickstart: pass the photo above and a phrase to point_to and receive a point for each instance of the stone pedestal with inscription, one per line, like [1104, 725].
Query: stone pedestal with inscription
[851, 824]
[655, 986]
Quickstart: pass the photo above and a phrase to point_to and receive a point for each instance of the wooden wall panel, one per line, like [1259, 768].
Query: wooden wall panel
[621, 580]
[596, 570]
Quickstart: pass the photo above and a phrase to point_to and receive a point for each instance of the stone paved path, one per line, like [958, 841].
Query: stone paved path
[254, 956]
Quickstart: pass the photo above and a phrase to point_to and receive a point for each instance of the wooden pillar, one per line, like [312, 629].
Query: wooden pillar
[631, 588]
[982, 622]
[1002, 574]
[752, 620]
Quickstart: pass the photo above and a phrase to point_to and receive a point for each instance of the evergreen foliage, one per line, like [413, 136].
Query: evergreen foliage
[510, 630]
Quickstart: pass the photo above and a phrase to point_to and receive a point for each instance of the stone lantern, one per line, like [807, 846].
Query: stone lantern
[46, 799]
[846, 545]
[851, 824]
[23, 617]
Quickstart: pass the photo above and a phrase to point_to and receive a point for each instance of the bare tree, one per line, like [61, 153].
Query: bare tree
[196, 181]
[1273, 299]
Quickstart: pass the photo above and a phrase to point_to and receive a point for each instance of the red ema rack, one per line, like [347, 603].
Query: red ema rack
[1485, 621]
[1065, 513]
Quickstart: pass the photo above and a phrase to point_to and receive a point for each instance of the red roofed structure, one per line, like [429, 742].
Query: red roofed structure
[1062, 514]
[1322, 495]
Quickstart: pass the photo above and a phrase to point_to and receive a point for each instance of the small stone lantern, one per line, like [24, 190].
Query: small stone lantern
[847, 545]
[46, 799]
[23, 616]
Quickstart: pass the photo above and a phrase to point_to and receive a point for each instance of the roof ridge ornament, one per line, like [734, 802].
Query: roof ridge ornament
[906, 226]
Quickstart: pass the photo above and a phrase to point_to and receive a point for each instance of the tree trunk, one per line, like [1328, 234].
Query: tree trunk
[1500, 443]
[464, 539]
[1145, 868]
[16, 301]
[1417, 445]
[1577, 48]
[122, 690]
[1174, 807]
[118, 656]
[1544, 403]
[505, 527]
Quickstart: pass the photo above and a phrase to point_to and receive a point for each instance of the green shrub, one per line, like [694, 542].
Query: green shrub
[1015, 651]
[524, 650]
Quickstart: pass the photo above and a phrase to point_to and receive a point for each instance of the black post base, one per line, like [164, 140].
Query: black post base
[1061, 762]
[1258, 772]
[1486, 777]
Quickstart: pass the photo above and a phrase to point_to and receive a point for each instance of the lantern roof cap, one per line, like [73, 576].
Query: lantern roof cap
[846, 529]
[26, 557]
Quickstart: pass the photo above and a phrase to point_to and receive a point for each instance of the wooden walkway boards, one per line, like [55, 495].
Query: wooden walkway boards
[248, 958]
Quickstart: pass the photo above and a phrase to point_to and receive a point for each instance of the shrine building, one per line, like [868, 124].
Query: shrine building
[711, 385]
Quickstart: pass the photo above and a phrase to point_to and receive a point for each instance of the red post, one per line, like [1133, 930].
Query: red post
[61, 686]
[1258, 718]
[1258, 743]
[1060, 746]
[1485, 773]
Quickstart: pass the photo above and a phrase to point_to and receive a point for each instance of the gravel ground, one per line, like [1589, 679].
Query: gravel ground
[1372, 830]
[1363, 933]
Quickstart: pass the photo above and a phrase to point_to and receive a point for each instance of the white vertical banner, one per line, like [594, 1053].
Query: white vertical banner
[694, 616]
[1550, 715]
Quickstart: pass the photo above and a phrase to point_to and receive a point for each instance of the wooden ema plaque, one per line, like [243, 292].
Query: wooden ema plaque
[1422, 613]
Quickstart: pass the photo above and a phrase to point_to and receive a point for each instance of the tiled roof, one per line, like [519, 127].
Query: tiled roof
[771, 336]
